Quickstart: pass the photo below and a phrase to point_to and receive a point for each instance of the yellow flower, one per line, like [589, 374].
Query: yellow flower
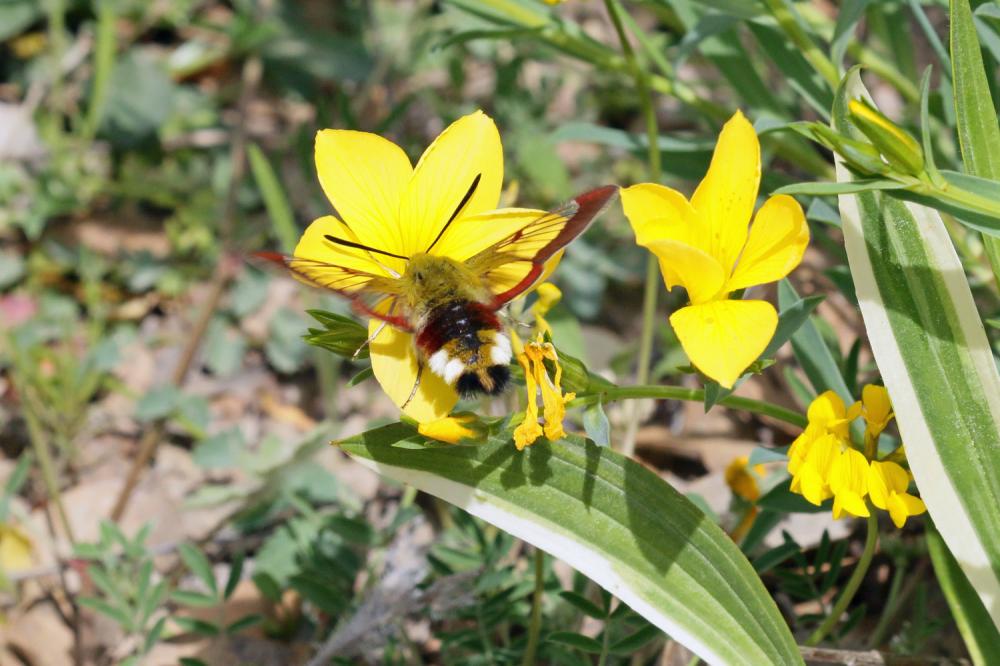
[742, 480]
[849, 483]
[452, 429]
[811, 478]
[384, 202]
[705, 246]
[827, 413]
[15, 549]
[548, 296]
[887, 486]
[824, 463]
[536, 377]
[877, 412]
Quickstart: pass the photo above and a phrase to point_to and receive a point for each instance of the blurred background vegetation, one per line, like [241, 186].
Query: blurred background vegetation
[170, 493]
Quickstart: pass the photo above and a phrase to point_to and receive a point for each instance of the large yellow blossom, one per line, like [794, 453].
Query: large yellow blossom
[383, 202]
[708, 246]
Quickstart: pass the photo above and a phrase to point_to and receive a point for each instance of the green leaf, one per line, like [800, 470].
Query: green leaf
[614, 521]
[811, 351]
[975, 115]
[363, 374]
[220, 451]
[848, 187]
[636, 640]
[153, 636]
[196, 599]
[244, 623]
[575, 640]
[596, 424]
[930, 345]
[196, 626]
[117, 614]
[139, 102]
[199, 565]
[980, 634]
[978, 129]
[235, 573]
[278, 208]
[583, 604]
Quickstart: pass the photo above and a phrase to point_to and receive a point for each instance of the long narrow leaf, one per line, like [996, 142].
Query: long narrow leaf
[981, 637]
[614, 521]
[975, 116]
[936, 361]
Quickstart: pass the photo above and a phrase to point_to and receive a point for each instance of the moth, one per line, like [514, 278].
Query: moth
[452, 307]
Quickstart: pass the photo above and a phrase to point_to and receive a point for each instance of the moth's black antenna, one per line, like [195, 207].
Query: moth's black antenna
[461, 205]
[359, 246]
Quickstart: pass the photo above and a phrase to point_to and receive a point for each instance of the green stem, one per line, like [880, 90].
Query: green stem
[696, 395]
[56, 11]
[789, 23]
[535, 626]
[41, 446]
[652, 281]
[891, 603]
[605, 644]
[853, 583]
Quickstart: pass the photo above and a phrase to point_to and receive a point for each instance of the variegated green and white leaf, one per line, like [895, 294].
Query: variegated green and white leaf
[611, 519]
[935, 359]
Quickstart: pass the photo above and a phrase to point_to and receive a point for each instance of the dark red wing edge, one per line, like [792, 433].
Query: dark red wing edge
[590, 205]
[359, 306]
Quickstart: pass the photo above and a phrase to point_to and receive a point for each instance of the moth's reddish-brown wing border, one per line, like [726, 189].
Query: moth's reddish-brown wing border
[581, 211]
[354, 285]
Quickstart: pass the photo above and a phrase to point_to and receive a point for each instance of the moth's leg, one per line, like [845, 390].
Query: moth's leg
[416, 384]
[371, 339]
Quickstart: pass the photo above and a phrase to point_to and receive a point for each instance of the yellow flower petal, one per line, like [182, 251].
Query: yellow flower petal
[452, 429]
[687, 266]
[849, 470]
[471, 234]
[314, 245]
[884, 480]
[901, 506]
[722, 338]
[778, 239]
[742, 480]
[660, 213]
[849, 502]
[364, 177]
[726, 197]
[877, 410]
[811, 484]
[16, 550]
[827, 412]
[394, 362]
[467, 148]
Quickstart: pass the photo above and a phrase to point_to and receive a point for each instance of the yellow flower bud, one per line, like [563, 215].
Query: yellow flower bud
[898, 147]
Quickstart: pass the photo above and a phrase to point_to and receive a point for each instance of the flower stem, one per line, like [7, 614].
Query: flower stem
[853, 583]
[697, 395]
[535, 627]
[652, 280]
[891, 605]
[789, 23]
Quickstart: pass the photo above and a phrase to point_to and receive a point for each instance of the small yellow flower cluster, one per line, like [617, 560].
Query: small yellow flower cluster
[532, 358]
[824, 463]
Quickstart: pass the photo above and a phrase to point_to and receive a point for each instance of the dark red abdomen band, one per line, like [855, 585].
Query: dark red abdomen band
[456, 320]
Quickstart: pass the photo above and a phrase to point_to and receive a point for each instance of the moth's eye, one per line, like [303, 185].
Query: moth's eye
[419, 276]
